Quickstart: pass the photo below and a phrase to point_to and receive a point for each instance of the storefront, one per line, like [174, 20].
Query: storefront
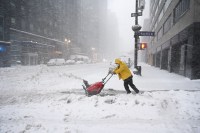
[181, 54]
[4, 54]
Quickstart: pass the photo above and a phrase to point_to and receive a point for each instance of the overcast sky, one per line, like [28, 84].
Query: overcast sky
[123, 10]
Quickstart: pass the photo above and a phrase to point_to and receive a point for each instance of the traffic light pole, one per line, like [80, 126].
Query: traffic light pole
[139, 5]
[136, 36]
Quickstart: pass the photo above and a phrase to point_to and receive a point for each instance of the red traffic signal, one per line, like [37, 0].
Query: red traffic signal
[143, 46]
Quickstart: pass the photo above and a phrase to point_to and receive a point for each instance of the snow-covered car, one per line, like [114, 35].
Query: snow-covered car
[80, 62]
[82, 58]
[18, 63]
[56, 62]
[70, 62]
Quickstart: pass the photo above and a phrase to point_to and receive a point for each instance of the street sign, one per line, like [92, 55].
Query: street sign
[136, 14]
[145, 33]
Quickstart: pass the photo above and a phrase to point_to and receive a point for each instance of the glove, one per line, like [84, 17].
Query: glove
[110, 71]
[113, 72]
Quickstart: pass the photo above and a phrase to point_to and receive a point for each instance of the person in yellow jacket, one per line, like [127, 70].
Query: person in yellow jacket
[125, 74]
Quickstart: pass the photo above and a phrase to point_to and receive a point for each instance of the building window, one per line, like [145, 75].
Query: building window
[1, 28]
[50, 34]
[156, 24]
[156, 11]
[151, 5]
[167, 25]
[180, 9]
[31, 27]
[160, 33]
[12, 4]
[153, 29]
[45, 31]
[160, 2]
[167, 3]
[13, 21]
[39, 30]
[23, 24]
[22, 10]
[160, 16]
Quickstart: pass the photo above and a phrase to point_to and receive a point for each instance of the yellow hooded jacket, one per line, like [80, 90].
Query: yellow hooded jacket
[123, 70]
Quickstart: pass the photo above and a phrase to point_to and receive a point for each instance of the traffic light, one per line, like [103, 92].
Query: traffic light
[142, 46]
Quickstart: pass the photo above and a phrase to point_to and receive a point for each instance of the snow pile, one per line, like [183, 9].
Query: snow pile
[50, 99]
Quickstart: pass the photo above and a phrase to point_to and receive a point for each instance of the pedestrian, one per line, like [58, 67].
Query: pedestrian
[125, 74]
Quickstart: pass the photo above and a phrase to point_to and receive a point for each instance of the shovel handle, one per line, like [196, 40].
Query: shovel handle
[105, 77]
[108, 79]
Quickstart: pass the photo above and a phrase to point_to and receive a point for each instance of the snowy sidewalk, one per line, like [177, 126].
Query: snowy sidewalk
[156, 79]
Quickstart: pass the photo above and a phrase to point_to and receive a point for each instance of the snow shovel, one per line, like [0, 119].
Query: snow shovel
[95, 88]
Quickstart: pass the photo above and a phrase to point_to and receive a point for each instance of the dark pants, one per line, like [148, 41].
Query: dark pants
[128, 82]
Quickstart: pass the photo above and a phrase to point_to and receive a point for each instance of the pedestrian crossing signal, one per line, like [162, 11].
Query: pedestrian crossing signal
[143, 46]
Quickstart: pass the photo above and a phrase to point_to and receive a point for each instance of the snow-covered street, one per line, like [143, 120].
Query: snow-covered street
[46, 99]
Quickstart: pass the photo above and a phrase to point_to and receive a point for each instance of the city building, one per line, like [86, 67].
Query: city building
[92, 16]
[36, 31]
[4, 37]
[176, 45]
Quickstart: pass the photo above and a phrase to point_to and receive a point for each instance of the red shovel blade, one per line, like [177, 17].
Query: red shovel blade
[95, 88]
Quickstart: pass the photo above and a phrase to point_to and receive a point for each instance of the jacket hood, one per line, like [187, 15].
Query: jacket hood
[118, 61]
